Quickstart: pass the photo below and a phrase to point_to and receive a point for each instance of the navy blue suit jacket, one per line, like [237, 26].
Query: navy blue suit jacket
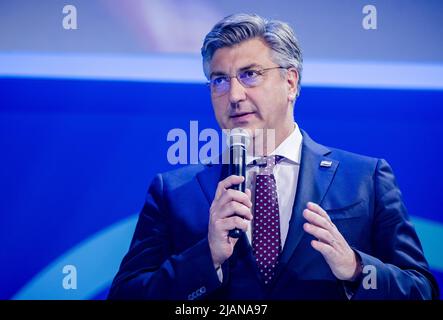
[169, 257]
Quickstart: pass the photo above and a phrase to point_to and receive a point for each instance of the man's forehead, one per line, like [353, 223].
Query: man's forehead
[252, 52]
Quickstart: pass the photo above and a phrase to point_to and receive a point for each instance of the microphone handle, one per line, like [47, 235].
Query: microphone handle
[238, 167]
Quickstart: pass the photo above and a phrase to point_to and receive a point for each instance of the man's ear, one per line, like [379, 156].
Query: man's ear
[292, 81]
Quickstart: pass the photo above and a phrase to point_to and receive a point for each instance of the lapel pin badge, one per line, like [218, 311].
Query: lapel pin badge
[326, 164]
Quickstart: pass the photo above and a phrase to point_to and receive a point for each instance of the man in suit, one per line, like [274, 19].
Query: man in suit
[318, 222]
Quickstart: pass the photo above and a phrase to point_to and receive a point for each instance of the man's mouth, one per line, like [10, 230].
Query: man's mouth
[239, 115]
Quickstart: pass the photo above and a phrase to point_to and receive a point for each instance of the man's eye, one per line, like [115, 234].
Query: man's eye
[218, 81]
[249, 74]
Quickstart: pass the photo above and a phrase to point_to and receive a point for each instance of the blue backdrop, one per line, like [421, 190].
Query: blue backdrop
[77, 157]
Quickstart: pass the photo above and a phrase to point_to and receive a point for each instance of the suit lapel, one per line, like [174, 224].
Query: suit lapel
[209, 178]
[313, 183]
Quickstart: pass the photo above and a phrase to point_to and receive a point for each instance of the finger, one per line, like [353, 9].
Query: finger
[234, 195]
[336, 239]
[320, 233]
[234, 208]
[319, 210]
[234, 222]
[325, 249]
[316, 219]
[316, 208]
[227, 183]
[248, 193]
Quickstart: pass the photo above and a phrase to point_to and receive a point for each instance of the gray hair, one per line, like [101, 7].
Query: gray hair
[240, 27]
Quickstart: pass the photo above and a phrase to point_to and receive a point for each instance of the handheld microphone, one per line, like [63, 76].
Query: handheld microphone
[238, 144]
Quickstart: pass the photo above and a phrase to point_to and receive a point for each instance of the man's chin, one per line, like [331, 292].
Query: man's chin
[249, 127]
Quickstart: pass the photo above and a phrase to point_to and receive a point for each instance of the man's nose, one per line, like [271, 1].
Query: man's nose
[237, 92]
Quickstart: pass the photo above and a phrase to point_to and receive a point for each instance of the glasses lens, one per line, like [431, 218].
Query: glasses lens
[220, 85]
[249, 78]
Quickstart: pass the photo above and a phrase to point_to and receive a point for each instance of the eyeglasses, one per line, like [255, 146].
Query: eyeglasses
[220, 84]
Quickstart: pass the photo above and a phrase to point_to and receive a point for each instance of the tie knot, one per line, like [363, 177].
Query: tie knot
[267, 164]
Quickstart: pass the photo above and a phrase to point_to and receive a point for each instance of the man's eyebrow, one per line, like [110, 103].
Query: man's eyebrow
[216, 73]
[249, 66]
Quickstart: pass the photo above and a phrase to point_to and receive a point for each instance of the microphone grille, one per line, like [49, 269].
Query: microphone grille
[239, 136]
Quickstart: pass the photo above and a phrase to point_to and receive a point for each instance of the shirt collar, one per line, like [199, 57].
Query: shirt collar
[290, 148]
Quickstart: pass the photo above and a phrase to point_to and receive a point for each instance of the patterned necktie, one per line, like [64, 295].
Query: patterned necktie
[266, 240]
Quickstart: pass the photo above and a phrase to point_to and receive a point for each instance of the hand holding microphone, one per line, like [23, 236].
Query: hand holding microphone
[231, 208]
[238, 145]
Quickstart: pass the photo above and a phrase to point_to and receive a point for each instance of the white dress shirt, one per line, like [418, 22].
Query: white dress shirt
[286, 177]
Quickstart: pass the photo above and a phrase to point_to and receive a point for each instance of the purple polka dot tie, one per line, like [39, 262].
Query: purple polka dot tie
[266, 240]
